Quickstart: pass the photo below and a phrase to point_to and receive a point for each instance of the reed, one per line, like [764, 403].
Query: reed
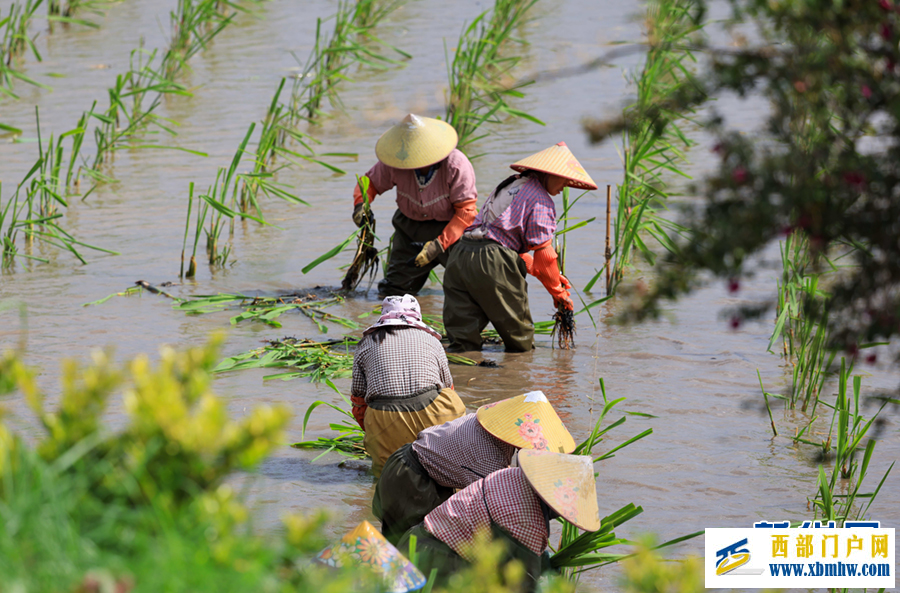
[653, 144]
[193, 24]
[14, 42]
[479, 73]
[350, 42]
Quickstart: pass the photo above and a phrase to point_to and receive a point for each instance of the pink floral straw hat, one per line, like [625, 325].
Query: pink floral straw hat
[403, 311]
[566, 483]
[528, 422]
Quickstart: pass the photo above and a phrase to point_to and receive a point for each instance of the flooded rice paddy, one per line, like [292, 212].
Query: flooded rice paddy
[711, 461]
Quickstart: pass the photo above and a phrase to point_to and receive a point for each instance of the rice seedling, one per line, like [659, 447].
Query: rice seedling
[318, 360]
[654, 144]
[563, 319]
[365, 262]
[14, 41]
[478, 89]
[349, 441]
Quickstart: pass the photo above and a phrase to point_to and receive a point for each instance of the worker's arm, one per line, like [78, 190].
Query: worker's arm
[380, 180]
[546, 269]
[358, 393]
[463, 198]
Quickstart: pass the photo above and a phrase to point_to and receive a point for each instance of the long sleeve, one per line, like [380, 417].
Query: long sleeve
[380, 181]
[358, 391]
[463, 215]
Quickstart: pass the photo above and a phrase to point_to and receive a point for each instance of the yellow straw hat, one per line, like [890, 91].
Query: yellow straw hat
[566, 483]
[557, 160]
[528, 422]
[416, 142]
[367, 547]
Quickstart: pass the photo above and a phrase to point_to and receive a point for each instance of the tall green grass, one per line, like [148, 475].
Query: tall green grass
[653, 145]
[15, 40]
[480, 72]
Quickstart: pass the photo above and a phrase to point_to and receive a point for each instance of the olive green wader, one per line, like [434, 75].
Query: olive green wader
[405, 493]
[432, 553]
[402, 276]
[485, 282]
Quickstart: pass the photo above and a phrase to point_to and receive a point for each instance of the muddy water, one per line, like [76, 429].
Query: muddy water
[711, 460]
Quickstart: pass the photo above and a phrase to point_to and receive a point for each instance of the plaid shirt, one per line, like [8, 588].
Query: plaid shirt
[407, 361]
[529, 221]
[512, 503]
[458, 452]
[453, 182]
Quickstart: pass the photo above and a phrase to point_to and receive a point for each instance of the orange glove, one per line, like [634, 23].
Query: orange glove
[359, 409]
[546, 270]
[529, 262]
[463, 215]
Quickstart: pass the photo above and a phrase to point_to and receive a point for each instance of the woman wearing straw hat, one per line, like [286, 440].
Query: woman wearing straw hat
[420, 476]
[436, 198]
[485, 277]
[512, 505]
[401, 380]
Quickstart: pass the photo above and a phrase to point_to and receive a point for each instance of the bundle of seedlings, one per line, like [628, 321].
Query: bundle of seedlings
[267, 309]
[348, 442]
[365, 262]
[320, 361]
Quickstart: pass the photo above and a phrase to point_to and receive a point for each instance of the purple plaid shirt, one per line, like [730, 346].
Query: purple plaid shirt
[459, 452]
[511, 503]
[529, 221]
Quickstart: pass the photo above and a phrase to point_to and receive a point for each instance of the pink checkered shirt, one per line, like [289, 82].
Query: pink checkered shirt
[458, 452]
[529, 221]
[513, 505]
[453, 182]
[406, 362]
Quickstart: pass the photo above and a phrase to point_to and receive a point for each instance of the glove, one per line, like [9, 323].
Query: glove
[362, 215]
[429, 252]
[561, 297]
[529, 262]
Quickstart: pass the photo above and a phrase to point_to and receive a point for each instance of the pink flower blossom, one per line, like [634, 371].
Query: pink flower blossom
[739, 175]
[866, 91]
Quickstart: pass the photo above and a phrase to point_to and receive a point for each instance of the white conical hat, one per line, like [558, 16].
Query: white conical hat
[557, 160]
[416, 142]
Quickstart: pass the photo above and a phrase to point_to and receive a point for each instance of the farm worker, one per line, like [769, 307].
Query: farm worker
[436, 198]
[511, 505]
[421, 475]
[485, 277]
[401, 380]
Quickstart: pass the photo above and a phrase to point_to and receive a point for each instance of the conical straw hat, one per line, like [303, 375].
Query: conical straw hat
[566, 483]
[527, 422]
[367, 547]
[557, 160]
[416, 142]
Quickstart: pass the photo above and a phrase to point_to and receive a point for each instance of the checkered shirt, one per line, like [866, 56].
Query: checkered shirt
[513, 505]
[458, 452]
[529, 221]
[406, 362]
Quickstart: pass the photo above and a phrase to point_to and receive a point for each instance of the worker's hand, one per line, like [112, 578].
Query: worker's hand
[565, 282]
[362, 215]
[565, 301]
[429, 252]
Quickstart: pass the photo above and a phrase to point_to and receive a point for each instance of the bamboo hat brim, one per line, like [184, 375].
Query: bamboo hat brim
[557, 160]
[367, 547]
[566, 483]
[528, 422]
[416, 142]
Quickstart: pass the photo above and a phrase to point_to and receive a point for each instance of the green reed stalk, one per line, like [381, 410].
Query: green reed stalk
[654, 144]
[14, 41]
[477, 74]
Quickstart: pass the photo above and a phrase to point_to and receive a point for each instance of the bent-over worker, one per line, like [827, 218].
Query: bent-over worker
[401, 380]
[485, 277]
[512, 505]
[420, 476]
[436, 198]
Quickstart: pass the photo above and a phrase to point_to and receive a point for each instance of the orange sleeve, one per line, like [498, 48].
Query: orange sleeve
[463, 216]
[359, 409]
[546, 269]
[357, 195]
